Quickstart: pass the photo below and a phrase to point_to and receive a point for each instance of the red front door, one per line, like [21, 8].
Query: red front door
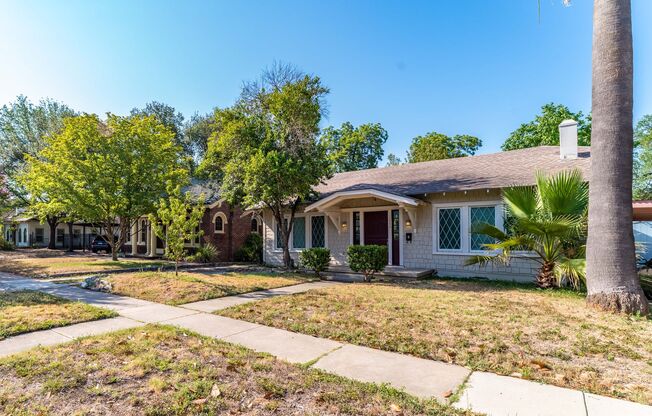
[375, 228]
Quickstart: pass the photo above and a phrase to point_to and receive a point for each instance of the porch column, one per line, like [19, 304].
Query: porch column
[134, 238]
[152, 242]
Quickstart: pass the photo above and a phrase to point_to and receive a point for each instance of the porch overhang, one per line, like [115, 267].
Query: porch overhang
[328, 205]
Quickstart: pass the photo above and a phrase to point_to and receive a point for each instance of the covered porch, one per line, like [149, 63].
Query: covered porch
[370, 216]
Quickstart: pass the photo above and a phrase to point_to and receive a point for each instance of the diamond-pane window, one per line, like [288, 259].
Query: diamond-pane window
[317, 231]
[299, 233]
[449, 229]
[482, 215]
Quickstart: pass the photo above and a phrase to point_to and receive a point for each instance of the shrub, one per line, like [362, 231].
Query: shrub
[204, 254]
[6, 245]
[367, 259]
[251, 250]
[316, 259]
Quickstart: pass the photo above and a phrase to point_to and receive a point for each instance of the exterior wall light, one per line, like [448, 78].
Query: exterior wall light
[408, 223]
[344, 225]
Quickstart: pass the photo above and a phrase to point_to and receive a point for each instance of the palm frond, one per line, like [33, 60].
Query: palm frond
[563, 194]
[521, 201]
[483, 260]
[571, 270]
[488, 230]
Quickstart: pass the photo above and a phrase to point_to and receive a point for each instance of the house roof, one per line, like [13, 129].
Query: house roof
[210, 189]
[490, 171]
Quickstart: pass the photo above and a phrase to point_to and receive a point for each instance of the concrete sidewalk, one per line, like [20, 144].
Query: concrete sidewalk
[483, 392]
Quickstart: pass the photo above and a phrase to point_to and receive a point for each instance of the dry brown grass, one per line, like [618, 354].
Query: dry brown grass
[551, 337]
[42, 262]
[165, 287]
[166, 371]
[27, 311]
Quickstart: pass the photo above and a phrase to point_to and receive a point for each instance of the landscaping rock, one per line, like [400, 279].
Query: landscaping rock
[98, 283]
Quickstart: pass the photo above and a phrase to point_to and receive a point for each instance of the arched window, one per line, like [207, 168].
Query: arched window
[254, 225]
[219, 221]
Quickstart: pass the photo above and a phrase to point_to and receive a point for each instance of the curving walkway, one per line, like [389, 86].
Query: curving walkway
[482, 392]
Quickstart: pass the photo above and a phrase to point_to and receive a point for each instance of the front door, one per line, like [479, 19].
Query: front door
[375, 228]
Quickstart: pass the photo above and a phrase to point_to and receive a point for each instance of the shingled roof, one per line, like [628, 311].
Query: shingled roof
[490, 171]
[210, 190]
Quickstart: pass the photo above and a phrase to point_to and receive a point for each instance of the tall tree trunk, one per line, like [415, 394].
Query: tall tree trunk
[612, 281]
[71, 243]
[52, 223]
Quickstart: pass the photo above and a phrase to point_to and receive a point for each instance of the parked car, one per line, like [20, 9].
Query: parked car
[100, 243]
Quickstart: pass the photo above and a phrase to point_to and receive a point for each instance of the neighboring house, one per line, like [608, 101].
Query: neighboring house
[26, 231]
[422, 211]
[643, 228]
[223, 226]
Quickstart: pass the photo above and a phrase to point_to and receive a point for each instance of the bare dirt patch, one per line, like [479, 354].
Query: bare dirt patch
[165, 371]
[27, 311]
[551, 337]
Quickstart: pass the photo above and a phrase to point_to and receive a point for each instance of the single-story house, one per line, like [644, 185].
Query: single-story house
[422, 211]
[25, 230]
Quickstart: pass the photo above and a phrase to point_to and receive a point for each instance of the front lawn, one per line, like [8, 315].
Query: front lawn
[165, 287]
[547, 336]
[43, 263]
[27, 311]
[167, 371]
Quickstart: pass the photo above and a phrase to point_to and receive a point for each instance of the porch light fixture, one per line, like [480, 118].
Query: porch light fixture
[344, 225]
[408, 223]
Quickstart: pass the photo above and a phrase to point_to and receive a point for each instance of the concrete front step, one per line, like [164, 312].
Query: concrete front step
[390, 271]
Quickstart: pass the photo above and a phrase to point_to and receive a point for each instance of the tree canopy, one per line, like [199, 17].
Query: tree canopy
[354, 148]
[197, 132]
[24, 128]
[643, 159]
[544, 129]
[435, 146]
[266, 147]
[107, 171]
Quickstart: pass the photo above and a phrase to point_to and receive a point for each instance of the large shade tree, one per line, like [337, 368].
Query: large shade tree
[107, 172]
[544, 129]
[355, 148]
[435, 146]
[643, 160]
[611, 276]
[24, 130]
[266, 148]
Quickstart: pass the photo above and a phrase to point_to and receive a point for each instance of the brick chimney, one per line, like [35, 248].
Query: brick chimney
[568, 139]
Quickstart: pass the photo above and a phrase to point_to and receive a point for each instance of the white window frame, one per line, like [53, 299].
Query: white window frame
[465, 224]
[308, 230]
[224, 222]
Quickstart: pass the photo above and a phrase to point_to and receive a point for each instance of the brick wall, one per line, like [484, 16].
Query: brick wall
[236, 230]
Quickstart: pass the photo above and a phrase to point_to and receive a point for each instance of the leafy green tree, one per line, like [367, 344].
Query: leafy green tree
[393, 160]
[544, 129]
[643, 158]
[176, 222]
[548, 220]
[435, 146]
[266, 149]
[173, 120]
[24, 128]
[197, 132]
[355, 148]
[110, 173]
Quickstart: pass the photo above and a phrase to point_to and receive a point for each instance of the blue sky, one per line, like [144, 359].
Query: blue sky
[456, 67]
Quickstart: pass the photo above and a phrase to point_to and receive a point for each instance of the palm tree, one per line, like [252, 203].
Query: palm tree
[612, 280]
[548, 220]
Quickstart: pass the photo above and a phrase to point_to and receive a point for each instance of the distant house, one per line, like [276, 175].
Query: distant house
[223, 226]
[422, 212]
